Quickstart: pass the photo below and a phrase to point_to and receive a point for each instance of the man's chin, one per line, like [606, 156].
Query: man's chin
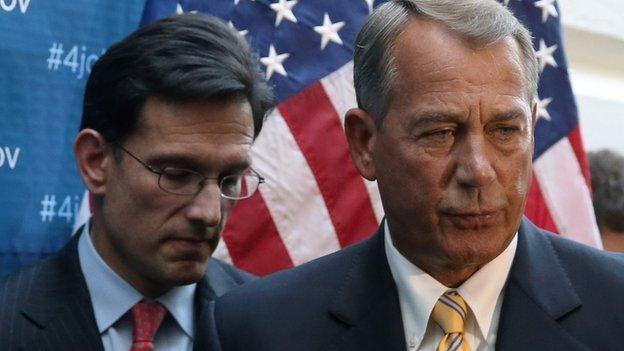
[184, 273]
[475, 254]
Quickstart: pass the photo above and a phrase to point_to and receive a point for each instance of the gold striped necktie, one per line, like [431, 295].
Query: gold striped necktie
[450, 313]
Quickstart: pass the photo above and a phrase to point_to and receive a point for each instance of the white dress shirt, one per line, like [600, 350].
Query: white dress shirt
[112, 298]
[419, 292]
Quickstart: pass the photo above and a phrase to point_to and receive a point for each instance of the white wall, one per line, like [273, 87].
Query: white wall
[594, 44]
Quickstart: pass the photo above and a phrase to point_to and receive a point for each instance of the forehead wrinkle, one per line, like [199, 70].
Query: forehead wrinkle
[184, 158]
[511, 114]
[166, 118]
[192, 127]
[174, 138]
[435, 117]
[438, 74]
[518, 73]
[239, 160]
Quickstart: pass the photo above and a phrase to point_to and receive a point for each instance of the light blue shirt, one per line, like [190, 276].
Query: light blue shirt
[112, 298]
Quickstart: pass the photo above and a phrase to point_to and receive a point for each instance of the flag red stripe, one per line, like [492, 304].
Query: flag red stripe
[253, 240]
[316, 127]
[537, 210]
[577, 145]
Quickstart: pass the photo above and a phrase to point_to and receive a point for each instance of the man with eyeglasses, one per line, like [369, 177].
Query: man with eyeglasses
[169, 117]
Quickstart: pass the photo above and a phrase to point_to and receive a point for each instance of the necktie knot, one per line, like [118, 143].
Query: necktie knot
[146, 319]
[450, 312]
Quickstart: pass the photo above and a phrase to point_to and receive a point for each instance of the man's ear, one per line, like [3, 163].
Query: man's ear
[93, 157]
[361, 135]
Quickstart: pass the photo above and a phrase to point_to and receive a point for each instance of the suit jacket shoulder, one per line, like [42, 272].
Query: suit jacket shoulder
[220, 278]
[343, 301]
[223, 277]
[590, 263]
[597, 277]
[48, 307]
[558, 293]
[561, 292]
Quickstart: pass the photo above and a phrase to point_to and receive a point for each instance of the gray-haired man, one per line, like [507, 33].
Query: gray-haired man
[444, 123]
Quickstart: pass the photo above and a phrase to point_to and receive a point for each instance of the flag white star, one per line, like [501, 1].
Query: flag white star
[545, 55]
[273, 63]
[180, 10]
[283, 9]
[542, 108]
[548, 9]
[370, 5]
[329, 31]
[236, 2]
[242, 33]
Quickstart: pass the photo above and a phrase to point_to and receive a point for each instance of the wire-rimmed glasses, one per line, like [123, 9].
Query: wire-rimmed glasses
[181, 181]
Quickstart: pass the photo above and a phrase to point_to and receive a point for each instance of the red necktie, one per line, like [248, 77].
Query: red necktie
[146, 318]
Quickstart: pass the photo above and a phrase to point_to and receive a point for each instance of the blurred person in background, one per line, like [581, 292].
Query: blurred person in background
[607, 177]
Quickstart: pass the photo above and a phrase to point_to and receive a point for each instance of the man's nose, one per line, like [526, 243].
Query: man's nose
[474, 163]
[206, 205]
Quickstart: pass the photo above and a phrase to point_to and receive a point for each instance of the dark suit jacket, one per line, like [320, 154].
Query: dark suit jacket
[48, 307]
[560, 295]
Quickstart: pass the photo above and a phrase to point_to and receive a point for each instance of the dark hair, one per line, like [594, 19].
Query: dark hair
[188, 57]
[607, 177]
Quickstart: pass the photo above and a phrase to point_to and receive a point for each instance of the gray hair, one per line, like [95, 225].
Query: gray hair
[481, 22]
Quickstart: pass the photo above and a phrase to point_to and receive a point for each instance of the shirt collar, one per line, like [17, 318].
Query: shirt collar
[111, 296]
[180, 302]
[419, 291]
[482, 290]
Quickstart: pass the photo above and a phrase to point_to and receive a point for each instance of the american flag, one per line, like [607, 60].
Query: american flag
[314, 202]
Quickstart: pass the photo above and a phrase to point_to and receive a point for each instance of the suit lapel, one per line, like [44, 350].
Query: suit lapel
[218, 280]
[215, 283]
[61, 308]
[367, 303]
[537, 295]
[203, 295]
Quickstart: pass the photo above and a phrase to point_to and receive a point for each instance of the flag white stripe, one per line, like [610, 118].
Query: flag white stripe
[291, 193]
[339, 88]
[222, 252]
[566, 194]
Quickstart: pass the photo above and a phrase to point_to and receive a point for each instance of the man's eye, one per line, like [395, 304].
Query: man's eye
[441, 135]
[231, 181]
[177, 174]
[506, 131]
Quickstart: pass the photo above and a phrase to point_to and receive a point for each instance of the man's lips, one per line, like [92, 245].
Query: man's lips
[195, 240]
[190, 238]
[472, 219]
[190, 243]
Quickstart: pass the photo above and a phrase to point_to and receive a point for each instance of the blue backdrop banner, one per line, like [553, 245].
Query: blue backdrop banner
[46, 52]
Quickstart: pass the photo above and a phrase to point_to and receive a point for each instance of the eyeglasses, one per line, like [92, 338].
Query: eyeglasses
[180, 181]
